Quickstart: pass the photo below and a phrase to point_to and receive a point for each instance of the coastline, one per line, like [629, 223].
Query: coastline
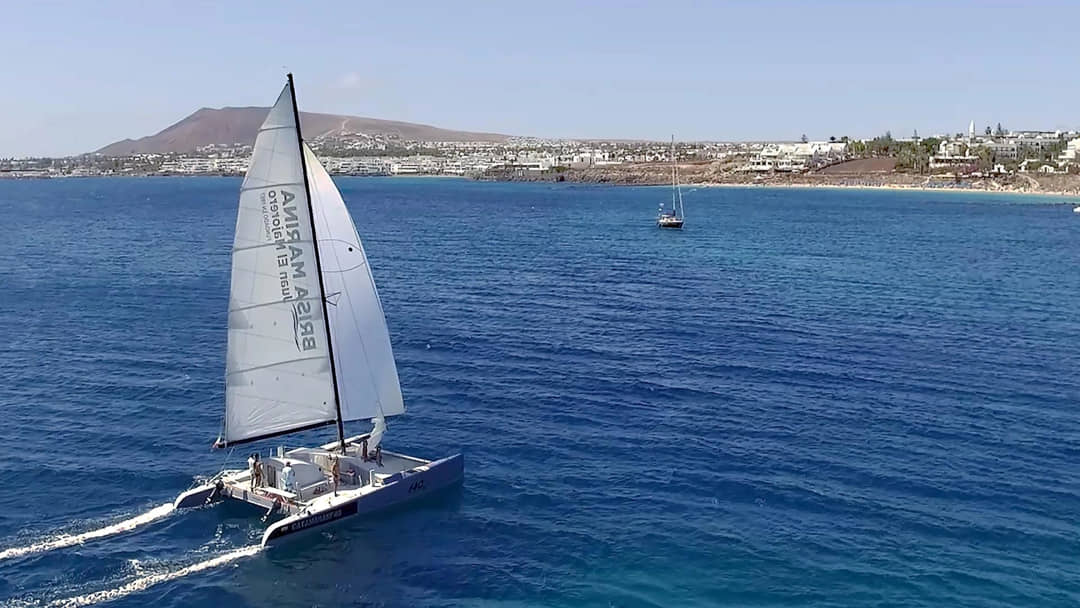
[5, 178]
[958, 189]
[966, 188]
[728, 175]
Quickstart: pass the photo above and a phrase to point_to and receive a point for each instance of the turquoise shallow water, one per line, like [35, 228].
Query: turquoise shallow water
[808, 397]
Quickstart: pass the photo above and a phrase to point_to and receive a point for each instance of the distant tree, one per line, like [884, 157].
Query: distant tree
[988, 131]
[915, 135]
[888, 136]
[804, 139]
[832, 139]
[986, 158]
[844, 139]
[999, 131]
[907, 158]
[1053, 151]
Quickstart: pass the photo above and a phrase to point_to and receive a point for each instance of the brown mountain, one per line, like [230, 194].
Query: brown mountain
[239, 125]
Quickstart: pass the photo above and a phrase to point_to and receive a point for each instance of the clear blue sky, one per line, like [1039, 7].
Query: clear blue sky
[78, 75]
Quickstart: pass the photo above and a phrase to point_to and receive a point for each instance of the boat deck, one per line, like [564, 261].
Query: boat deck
[313, 479]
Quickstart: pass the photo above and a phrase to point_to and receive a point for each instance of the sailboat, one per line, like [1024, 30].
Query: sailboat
[674, 217]
[308, 347]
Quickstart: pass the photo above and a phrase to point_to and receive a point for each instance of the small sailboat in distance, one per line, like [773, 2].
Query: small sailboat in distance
[674, 217]
[308, 346]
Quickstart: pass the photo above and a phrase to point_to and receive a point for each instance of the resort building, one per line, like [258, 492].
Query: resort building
[797, 157]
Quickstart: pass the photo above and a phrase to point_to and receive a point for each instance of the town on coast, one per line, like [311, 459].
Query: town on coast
[993, 159]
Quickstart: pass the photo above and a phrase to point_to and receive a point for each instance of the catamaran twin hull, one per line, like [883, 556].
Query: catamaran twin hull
[365, 485]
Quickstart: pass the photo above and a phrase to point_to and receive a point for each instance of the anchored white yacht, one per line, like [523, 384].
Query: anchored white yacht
[308, 347]
[674, 217]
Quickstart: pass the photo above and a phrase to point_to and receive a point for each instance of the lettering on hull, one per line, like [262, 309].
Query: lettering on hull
[312, 521]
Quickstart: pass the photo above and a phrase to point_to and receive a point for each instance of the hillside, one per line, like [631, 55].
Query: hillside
[239, 125]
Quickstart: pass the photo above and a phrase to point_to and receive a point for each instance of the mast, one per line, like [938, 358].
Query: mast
[678, 188]
[673, 207]
[318, 265]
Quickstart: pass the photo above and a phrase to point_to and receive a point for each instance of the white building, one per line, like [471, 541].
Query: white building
[1069, 154]
[952, 153]
[797, 157]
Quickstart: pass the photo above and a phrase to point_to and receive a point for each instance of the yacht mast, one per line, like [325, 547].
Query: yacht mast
[318, 266]
[674, 209]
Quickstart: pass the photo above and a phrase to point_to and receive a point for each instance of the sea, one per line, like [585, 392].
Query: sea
[807, 397]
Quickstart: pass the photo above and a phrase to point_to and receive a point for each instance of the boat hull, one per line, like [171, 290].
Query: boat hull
[406, 487]
[197, 496]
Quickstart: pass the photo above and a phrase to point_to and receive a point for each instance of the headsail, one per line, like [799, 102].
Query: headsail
[368, 384]
[278, 372]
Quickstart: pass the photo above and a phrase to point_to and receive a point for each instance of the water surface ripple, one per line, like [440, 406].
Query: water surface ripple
[808, 397]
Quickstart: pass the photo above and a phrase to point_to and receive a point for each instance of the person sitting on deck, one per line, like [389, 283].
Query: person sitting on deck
[363, 449]
[288, 478]
[378, 455]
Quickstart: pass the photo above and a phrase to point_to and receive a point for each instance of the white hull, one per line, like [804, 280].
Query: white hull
[669, 221]
[366, 486]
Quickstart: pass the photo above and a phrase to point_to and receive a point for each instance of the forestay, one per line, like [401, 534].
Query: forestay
[278, 376]
[368, 384]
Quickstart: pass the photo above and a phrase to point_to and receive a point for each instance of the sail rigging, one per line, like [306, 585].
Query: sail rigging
[303, 302]
[278, 363]
[318, 265]
[308, 346]
[357, 323]
[673, 218]
[676, 189]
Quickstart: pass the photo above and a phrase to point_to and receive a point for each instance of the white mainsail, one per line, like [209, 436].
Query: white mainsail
[278, 372]
[367, 383]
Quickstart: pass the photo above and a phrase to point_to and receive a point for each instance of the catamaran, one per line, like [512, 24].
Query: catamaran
[674, 217]
[308, 346]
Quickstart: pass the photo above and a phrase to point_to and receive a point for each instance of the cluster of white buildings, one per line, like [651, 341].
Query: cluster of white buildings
[196, 165]
[797, 157]
[360, 154]
[1027, 148]
[452, 158]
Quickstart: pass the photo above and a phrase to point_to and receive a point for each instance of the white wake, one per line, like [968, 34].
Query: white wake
[68, 540]
[145, 582]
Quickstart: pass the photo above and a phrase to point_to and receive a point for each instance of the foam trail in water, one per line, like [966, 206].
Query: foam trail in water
[68, 540]
[147, 581]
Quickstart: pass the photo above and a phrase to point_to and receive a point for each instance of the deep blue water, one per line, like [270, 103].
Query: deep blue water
[808, 397]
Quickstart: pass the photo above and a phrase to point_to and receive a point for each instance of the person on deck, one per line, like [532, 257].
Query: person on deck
[255, 468]
[288, 478]
[378, 455]
[335, 471]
